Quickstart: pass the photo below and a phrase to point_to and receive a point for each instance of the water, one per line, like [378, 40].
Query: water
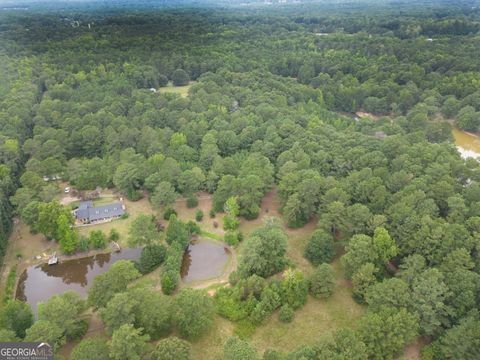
[204, 260]
[468, 145]
[39, 283]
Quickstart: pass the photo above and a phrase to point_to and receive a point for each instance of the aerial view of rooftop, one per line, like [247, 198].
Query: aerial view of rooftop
[240, 179]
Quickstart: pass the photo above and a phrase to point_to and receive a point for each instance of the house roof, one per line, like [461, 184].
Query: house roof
[87, 211]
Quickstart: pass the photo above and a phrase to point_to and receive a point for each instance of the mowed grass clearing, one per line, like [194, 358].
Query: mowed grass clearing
[316, 318]
[180, 90]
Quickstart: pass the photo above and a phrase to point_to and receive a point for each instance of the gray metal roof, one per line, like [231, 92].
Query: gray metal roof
[86, 211]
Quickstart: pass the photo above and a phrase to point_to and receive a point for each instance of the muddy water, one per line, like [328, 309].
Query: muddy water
[39, 283]
[467, 144]
[204, 260]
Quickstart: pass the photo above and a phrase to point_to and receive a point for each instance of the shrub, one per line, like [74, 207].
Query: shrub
[12, 275]
[83, 244]
[212, 213]
[169, 211]
[169, 281]
[286, 314]
[229, 305]
[152, 256]
[295, 288]
[199, 215]
[244, 329]
[322, 281]
[114, 235]
[134, 195]
[98, 239]
[192, 201]
[232, 237]
[172, 348]
[237, 349]
[193, 227]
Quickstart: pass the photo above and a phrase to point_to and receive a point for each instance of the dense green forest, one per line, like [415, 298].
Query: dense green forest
[272, 97]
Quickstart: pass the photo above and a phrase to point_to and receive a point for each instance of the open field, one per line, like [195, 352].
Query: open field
[180, 90]
[314, 319]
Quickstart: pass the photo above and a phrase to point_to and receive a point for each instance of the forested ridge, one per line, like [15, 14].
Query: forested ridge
[271, 103]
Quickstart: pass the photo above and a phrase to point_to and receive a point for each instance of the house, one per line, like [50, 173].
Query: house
[88, 213]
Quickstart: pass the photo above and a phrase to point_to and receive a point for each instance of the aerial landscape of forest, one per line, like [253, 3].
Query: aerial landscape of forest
[241, 180]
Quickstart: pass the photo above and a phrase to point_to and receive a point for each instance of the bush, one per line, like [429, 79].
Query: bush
[169, 211]
[152, 256]
[229, 305]
[98, 239]
[192, 201]
[286, 314]
[114, 235]
[212, 213]
[9, 286]
[320, 248]
[199, 215]
[295, 288]
[134, 195]
[172, 348]
[244, 329]
[180, 77]
[83, 244]
[193, 227]
[169, 281]
[322, 281]
[236, 349]
[232, 237]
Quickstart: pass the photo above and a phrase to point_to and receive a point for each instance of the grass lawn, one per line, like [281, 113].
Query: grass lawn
[180, 90]
[317, 317]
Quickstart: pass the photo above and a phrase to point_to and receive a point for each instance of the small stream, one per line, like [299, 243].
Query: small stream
[39, 283]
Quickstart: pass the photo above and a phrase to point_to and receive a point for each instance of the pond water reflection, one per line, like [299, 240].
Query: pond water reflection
[39, 283]
[204, 260]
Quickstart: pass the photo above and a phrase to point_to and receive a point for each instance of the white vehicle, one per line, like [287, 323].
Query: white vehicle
[67, 190]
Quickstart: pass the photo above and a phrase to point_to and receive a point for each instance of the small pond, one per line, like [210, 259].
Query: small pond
[468, 145]
[204, 260]
[39, 283]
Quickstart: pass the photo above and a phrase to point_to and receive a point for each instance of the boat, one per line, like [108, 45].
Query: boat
[53, 260]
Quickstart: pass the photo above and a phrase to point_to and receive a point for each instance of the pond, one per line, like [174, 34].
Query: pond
[39, 283]
[204, 260]
[468, 145]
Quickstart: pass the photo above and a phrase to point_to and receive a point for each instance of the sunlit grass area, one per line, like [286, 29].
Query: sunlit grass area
[180, 90]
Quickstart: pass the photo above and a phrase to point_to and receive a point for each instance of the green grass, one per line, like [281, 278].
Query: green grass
[317, 317]
[180, 90]
[211, 235]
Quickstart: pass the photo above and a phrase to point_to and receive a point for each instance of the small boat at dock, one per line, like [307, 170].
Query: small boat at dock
[53, 259]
